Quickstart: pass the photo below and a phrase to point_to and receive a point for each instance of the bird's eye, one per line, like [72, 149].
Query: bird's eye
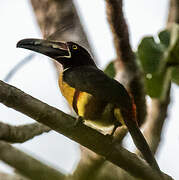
[74, 47]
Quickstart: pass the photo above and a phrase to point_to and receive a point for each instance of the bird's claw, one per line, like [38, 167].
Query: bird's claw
[79, 120]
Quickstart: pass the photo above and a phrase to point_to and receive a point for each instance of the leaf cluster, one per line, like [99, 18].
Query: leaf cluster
[159, 60]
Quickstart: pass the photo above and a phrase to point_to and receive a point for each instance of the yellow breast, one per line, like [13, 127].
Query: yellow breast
[81, 99]
[67, 91]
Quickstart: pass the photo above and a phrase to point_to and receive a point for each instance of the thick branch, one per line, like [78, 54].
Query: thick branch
[27, 165]
[86, 136]
[120, 32]
[91, 164]
[126, 67]
[20, 134]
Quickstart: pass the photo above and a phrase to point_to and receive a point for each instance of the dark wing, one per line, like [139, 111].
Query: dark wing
[93, 81]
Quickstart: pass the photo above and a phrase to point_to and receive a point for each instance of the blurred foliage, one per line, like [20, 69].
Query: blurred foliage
[110, 70]
[159, 60]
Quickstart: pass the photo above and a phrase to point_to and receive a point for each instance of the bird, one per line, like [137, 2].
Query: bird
[94, 96]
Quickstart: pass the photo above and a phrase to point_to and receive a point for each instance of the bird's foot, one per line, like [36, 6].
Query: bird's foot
[79, 120]
[114, 129]
[111, 135]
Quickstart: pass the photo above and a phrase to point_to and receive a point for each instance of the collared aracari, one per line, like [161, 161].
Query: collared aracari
[93, 95]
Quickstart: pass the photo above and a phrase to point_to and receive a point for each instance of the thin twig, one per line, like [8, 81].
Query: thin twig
[20, 134]
[19, 65]
[86, 136]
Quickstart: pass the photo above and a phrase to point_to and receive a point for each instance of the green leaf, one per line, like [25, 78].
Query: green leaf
[110, 70]
[153, 56]
[149, 54]
[156, 89]
[164, 37]
[153, 87]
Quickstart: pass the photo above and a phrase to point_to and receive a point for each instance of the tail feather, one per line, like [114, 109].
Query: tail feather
[138, 138]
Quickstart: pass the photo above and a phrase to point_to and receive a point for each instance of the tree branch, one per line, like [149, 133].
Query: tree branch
[91, 164]
[27, 165]
[18, 66]
[128, 72]
[155, 120]
[120, 32]
[86, 136]
[20, 134]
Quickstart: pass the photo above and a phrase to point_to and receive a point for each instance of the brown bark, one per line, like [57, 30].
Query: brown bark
[20, 134]
[128, 72]
[93, 166]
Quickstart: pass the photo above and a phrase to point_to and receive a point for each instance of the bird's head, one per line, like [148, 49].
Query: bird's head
[69, 54]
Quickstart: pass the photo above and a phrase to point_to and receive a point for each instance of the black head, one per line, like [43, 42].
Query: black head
[69, 54]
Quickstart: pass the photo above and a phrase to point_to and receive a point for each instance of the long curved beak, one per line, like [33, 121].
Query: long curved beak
[52, 49]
